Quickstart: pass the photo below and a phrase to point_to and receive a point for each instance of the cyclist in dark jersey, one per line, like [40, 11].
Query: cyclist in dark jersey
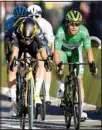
[26, 34]
[18, 13]
[73, 32]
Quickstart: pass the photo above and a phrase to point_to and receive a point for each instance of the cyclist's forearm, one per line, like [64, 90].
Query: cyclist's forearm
[90, 55]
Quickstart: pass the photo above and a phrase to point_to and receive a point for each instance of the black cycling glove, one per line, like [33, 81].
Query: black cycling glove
[92, 67]
[48, 64]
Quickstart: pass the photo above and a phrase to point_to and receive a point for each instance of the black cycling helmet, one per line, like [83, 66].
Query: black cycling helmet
[28, 29]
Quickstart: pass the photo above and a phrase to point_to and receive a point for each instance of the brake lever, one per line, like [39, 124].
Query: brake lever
[13, 64]
[48, 64]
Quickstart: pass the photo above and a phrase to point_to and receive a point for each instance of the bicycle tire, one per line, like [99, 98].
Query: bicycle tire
[43, 105]
[36, 107]
[36, 111]
[18, 86]
[22, 108]
[68, 103]
[19, 98]
[30, 103]
[77, 104]
[22, 121]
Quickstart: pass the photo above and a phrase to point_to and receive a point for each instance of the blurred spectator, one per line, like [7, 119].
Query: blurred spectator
[2, 10]
[27, 3]
[50, 13]
[30, 2]
[95, 19]
[53, 12]
[9, 8]
[2, 19]
[74, 5]
[85, 10]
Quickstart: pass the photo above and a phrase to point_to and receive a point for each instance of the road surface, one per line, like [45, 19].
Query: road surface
[54, 117]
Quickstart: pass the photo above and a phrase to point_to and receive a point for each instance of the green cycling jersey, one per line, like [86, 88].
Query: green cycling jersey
[82, 37]
[63, 37]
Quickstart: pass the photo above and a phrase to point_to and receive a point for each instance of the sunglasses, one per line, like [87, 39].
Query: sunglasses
[36, 16]
[74, 24]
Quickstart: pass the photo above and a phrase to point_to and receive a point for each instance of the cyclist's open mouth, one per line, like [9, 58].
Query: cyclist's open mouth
[73, 31]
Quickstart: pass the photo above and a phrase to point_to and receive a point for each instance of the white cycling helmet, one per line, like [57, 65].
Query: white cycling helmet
[34, 9]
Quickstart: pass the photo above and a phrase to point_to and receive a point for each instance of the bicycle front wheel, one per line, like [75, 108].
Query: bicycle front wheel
[30, 103]
[22, 110]
[77, 104]
[43, 105]
[67, 103]
[18, 86]
[22, 121]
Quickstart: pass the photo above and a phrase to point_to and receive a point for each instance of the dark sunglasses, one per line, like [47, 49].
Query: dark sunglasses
[74, 24]
[36, 16]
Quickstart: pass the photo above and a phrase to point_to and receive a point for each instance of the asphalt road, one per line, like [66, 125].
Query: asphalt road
[54, 117]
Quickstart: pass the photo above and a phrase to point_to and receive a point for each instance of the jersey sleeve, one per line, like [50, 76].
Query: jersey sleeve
[15, 40]
[49, 35]
[42, 42]
[47, 29]
[8, 25]
[58, 38]
[39, 37]
[86, 40]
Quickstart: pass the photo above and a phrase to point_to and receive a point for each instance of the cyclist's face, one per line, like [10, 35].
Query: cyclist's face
[73, 27]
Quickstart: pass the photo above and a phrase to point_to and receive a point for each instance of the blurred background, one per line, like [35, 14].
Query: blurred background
[55, 13]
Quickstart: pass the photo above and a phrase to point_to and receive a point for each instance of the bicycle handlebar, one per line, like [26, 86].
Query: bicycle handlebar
[32, 60]
[75, 63]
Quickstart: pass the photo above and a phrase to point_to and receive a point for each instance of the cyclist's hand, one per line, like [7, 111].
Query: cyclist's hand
[93, 68]
[13, 64]
[48, 64]
[59, 70]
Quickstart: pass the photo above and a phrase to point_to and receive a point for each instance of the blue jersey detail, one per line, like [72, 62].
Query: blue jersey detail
[8, 25]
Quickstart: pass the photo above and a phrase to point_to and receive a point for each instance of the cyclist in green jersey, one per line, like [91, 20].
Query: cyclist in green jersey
[72, 32]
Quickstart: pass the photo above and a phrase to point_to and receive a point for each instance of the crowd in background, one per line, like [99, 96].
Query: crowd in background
[55, 12]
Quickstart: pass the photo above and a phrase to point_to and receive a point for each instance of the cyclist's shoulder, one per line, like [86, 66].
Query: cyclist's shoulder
[9, 20]
[61, 29]
[45, 22]
[19, 21]
[83, 31]
[8, 25]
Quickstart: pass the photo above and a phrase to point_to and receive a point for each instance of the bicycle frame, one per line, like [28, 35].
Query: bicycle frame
[26, 103]
[26, 89]
[28, 77]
